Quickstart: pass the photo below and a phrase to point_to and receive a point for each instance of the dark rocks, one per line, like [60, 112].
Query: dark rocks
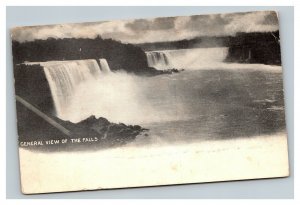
[108, 132]
[91, 133]
[153, 72]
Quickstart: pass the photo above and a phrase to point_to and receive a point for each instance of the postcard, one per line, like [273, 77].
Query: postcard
[149, 102]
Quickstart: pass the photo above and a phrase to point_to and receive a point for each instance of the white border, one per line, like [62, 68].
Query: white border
[147, 3]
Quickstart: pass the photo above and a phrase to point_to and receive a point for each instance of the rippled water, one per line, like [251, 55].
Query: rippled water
[215, 104]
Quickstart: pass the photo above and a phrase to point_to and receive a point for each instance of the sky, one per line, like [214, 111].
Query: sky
[156, 29]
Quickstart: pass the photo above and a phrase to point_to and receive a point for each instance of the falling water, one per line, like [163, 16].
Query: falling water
[195, 58]
[158, 59]
[82, 88]
[104, 65]
[65, 76]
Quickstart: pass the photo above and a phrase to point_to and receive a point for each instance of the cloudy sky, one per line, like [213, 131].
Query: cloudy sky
[157, 29]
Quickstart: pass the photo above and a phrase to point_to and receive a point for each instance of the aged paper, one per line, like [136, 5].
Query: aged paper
[149, 102]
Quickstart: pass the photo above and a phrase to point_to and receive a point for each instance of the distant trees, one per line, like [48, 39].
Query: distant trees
[259, 47]
[118, 55]
[255, 48]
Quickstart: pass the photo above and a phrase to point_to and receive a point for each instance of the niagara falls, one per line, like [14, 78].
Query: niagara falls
[195, 100]
[132, 90]
[148, 102]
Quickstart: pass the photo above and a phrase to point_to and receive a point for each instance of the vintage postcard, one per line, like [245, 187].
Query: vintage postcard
[148, 102]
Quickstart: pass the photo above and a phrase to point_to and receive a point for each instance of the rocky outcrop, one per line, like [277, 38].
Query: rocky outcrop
[113, 132]
[91, 133]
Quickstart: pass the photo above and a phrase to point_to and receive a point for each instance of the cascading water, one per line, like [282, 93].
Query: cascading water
[65, 76]
[158, 59]
[81, 88]
[104, 65]
[195, 58]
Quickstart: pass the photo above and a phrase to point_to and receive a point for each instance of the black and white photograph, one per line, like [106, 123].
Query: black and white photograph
[149, 102]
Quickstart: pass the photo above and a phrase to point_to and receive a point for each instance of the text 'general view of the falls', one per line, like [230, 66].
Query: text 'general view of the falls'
[149, 102]
[193, 98]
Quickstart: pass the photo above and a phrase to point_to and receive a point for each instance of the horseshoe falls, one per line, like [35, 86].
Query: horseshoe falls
[195, 58]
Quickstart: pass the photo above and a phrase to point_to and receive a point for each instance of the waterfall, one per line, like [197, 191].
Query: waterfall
[65, 76]
[81, 88]
[158, 59]
[194, 58]
[104, 65]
